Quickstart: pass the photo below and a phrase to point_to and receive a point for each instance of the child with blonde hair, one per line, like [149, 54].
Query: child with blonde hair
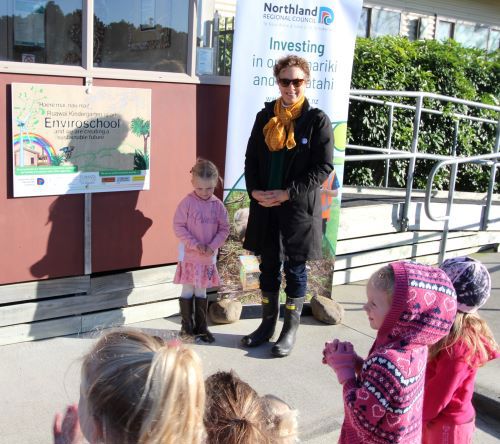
[201, 224]
[411, 306]
[449, 415]
[235, 414]
[282, 419]
[136, 389]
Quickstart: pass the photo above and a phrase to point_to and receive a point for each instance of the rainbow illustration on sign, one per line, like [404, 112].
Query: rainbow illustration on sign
[325, 15]
[31, 139]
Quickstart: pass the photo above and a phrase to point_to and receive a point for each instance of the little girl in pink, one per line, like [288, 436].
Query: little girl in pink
[202, 226]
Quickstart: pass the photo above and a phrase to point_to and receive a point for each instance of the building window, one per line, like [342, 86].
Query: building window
[472, 36]
[444, 30]
[384, 22]
[27, 31]
[149, 35]
[215, 37]
[363, 24]
[494, 40]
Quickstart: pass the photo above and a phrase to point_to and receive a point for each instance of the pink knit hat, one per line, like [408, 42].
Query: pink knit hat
[471, 280]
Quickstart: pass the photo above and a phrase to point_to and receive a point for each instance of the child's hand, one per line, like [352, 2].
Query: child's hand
[205, 250]
[67, 429]
[358, 363]
[340, 356]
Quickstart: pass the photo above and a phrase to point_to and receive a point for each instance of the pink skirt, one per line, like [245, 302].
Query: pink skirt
[201, 276]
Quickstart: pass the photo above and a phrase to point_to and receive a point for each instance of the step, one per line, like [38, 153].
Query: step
[349, 275]
[356, 245]
[371, 215]
[413, 250]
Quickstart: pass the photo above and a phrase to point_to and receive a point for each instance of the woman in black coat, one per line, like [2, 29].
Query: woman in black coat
[288, 157]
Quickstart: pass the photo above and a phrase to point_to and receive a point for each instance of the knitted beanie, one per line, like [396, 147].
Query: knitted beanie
[471, 280]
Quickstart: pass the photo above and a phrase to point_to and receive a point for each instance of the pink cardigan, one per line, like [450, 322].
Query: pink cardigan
[200, 222]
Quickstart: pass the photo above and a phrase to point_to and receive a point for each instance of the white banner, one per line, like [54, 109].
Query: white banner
[321, 31]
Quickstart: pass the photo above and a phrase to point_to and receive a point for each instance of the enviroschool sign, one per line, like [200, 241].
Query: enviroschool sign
[71, 139]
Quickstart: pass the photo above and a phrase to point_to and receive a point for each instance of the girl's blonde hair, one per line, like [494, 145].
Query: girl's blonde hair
[474, 333]
[205, 169]
[282, 419]
[383, 280]
[234, 413]
[143, 390]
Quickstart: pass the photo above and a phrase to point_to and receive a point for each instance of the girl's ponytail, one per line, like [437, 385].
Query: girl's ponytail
[177, 397]
[143, 390]
[205, 169]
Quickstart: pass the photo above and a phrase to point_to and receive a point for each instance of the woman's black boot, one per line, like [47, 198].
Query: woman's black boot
[186, 307]
[286, 341]
[270, 313]
[200, 320]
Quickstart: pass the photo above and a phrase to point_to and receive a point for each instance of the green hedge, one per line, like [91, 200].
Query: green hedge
[395, 63]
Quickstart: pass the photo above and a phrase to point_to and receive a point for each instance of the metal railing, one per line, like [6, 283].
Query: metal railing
[388, 153]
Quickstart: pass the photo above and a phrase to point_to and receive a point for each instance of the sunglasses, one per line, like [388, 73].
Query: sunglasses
[295, 82]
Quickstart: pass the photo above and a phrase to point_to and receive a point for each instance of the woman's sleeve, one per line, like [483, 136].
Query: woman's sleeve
[180, 226]
[252, 159]
[451, 370]
[321, 164]
[223, 229]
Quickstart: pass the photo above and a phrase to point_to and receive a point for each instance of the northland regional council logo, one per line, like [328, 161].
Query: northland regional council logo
[295, 13]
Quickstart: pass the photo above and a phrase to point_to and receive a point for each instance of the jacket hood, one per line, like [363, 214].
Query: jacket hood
[423, 307]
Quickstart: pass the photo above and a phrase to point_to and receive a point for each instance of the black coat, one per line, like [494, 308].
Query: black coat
[306, 167]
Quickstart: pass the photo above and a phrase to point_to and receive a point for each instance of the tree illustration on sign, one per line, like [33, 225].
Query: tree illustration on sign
[140, 127]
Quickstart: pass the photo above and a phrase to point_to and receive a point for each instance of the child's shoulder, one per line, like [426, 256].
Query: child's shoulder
[399, 362]
[186, 203]
[218, 202]
[188, 198]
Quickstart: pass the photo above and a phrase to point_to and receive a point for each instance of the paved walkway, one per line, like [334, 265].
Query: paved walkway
[39, 378]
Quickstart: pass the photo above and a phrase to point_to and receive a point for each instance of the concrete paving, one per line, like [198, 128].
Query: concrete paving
[39, 378]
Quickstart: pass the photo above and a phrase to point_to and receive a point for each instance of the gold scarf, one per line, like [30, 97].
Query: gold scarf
[279, 131]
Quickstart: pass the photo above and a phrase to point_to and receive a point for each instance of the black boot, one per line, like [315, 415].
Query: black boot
[270, 313]
[286, 341]
[186, 306]
[200, 320]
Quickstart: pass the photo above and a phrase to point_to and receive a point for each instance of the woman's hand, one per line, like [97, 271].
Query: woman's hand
[67, 429]
[271, 198]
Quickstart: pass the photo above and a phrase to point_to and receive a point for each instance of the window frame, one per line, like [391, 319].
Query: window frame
[440, 18]
[88, 71]
[371, 6]
[384, 9]
[454, 23]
